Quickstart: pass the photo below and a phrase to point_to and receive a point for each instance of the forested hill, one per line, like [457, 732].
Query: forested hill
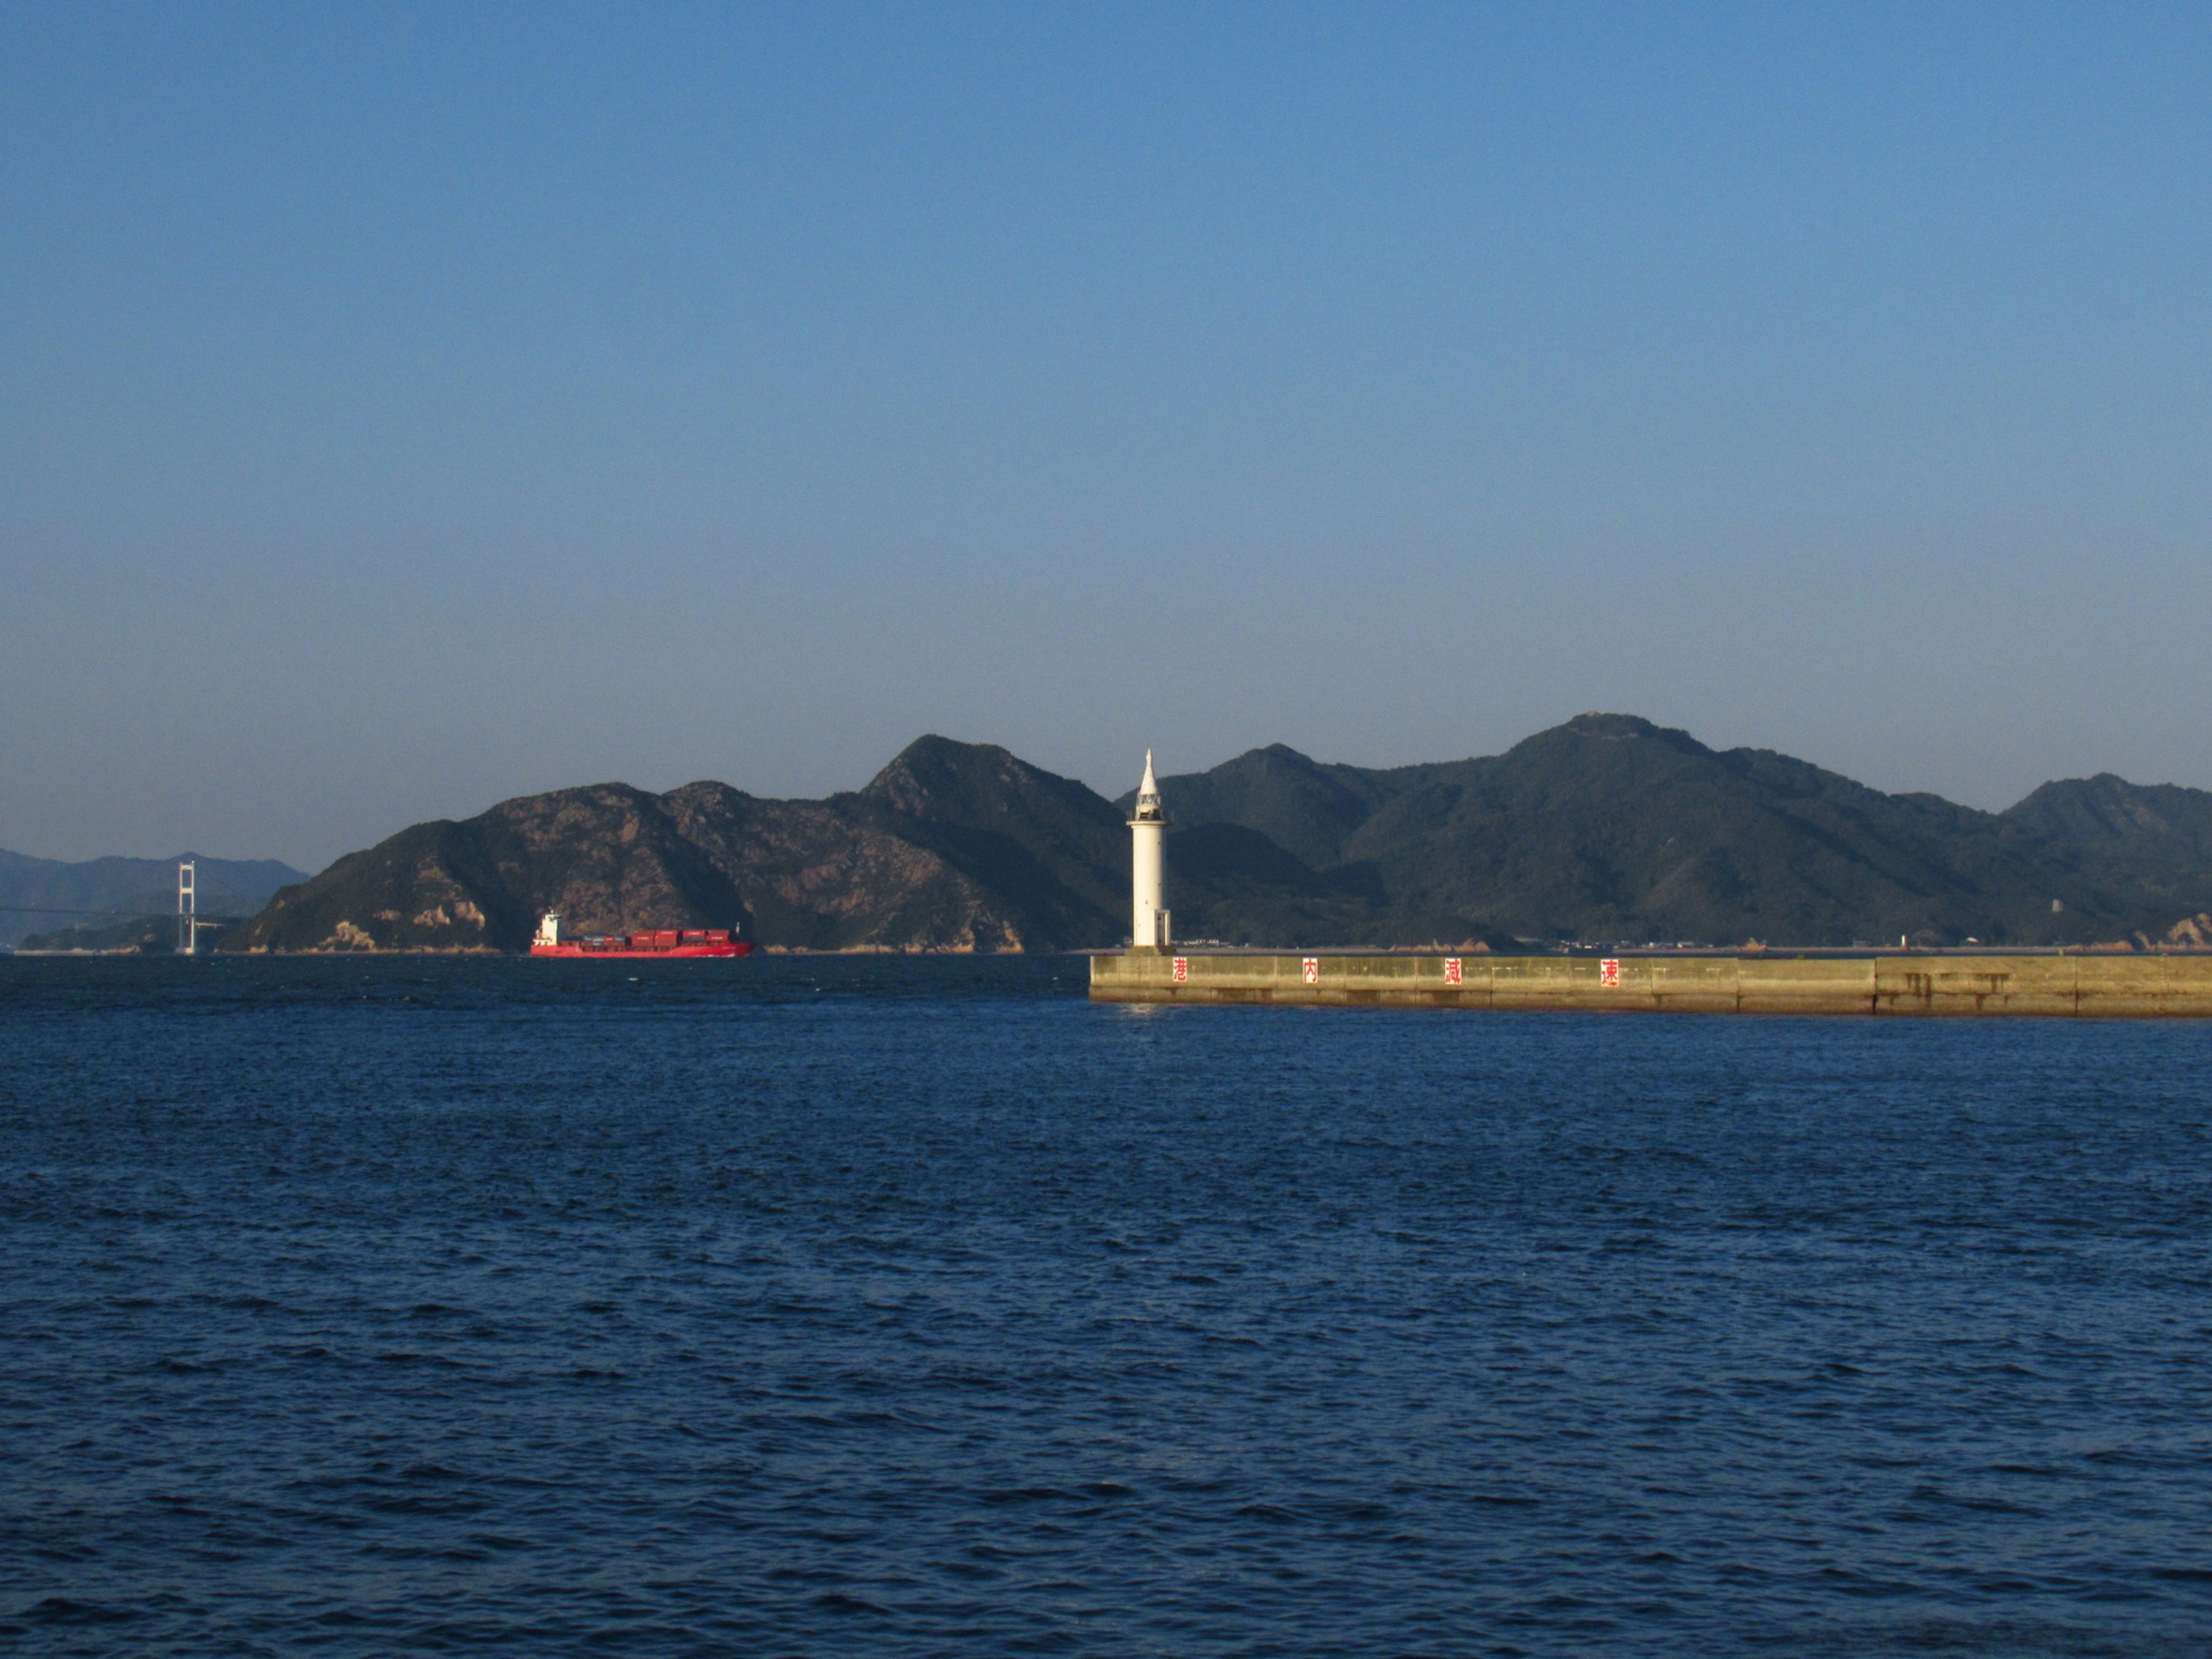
[1607, 828]
[1610, 827]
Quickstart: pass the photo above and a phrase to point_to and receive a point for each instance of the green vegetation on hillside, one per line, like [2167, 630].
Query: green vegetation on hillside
[1606, 829]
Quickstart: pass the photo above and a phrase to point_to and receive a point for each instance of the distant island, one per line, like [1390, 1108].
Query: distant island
[122, 904]
[1607, 829]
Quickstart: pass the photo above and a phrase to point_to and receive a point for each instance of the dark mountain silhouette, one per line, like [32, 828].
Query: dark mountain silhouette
[1308, 809]
[1610, 828]
[952, 847]
[1057, 851]
[1607, 828]
[2122, 837]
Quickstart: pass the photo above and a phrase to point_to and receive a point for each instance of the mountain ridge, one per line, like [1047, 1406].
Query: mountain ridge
[951, 846]
[1605, 828]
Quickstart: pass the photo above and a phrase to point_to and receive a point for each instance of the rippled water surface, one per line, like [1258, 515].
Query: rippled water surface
[920, 1307]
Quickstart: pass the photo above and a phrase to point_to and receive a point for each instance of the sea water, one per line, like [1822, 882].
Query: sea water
[922, 1307]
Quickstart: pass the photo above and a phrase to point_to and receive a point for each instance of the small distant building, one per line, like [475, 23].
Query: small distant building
[1148, 928]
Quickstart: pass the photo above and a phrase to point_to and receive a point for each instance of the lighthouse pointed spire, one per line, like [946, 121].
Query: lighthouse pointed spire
[1148, 794]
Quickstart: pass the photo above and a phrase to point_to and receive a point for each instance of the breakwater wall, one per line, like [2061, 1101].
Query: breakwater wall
[2087, 986]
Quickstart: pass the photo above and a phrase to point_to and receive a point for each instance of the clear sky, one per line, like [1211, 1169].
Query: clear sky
[404, 407]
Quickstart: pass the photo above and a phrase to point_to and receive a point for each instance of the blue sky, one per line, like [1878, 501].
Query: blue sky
[406, 407]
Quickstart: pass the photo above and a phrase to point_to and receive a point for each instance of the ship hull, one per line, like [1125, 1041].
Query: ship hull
[625, 953]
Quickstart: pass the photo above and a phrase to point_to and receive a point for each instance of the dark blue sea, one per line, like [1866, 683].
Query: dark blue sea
[920, 1307]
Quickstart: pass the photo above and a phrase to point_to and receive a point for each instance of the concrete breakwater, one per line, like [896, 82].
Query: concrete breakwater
[2088, 986]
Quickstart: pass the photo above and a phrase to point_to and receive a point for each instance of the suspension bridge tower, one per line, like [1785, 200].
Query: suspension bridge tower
[188, 930]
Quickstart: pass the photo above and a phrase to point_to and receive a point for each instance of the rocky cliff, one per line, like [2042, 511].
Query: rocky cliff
[954, 846]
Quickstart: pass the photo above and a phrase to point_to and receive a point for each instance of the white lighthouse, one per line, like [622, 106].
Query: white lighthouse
[1149, 918]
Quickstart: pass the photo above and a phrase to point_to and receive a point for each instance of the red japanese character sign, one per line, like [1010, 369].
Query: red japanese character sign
[1608, 971]
[1182, 969]
[1451, 971]
[1313, 970]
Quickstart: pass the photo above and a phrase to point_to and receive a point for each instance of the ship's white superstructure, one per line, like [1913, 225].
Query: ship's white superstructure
[1147, 867]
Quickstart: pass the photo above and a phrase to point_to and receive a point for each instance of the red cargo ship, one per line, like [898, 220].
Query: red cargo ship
[656, 942]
